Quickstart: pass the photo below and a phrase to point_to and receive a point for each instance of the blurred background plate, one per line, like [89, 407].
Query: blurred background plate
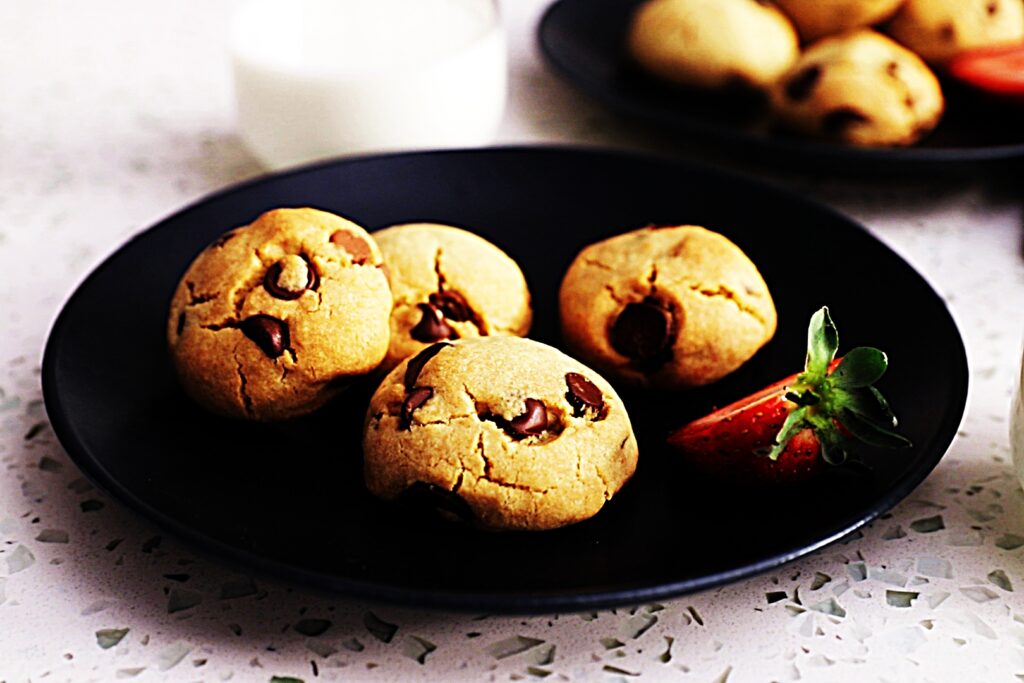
[584, 41]
[289, 499]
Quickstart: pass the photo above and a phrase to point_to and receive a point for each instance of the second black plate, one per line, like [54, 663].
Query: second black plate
[289, 498]
[585, 41]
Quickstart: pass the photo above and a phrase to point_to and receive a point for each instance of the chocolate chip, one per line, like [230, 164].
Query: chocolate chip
[181, 323]
[416, 363]
[356, 246]
[947, 32]
[800, 86]
[453, 305]
[892, 68]
[532, 422]
[270, 334]
[225, 238]
[837, 121]
[313, 282]
[643, 331]
[414, 400]
[279, 289]
[992, 8]
[432, 326]
[422, 494]
[582, 394]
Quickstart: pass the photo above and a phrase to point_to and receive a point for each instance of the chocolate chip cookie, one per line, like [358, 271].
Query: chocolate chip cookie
[449, 283]
[668, 307]
[274, 318]
[504, 432]
[818, 18]
[939, 29]
[712, 43]
[860, 88]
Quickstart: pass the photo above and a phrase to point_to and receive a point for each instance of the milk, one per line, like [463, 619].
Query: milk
[1017, 426]
[318, 78]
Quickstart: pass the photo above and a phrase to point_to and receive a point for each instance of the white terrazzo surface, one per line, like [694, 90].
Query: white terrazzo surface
[114, 114]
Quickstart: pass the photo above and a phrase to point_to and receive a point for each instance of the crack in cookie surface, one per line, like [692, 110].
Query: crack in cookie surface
[724, 292]
[594, 263]
[610, 288]
[242, 385]
[198, 298]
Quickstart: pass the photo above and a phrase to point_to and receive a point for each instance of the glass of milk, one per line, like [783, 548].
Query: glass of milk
[321, 78]
[1017, 425]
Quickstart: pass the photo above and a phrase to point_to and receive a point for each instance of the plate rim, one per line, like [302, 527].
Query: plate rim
[808, 149]
[511, 603]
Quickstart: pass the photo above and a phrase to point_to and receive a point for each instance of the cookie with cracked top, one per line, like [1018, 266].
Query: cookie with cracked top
[668, 307]
[819, 18]
[274, 318]
[938, 30]
[500, 431]
[449, 283]
[860, 88]
[712, 43]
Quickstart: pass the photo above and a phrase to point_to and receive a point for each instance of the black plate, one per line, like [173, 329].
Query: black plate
[289, 499]
[584, 41]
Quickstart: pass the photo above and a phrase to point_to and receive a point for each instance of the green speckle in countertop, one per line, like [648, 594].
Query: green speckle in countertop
[48, 464]
[171, 656]
[999, 578]
[1010, 541]
[979, 593]
[181, 599]
[417, 648]
[52, 536]
[927, 525]
[109, 637]
[380, 629]
[900, 598]
[353, 644]
[512, 646]
[20, 560]
[312, 627]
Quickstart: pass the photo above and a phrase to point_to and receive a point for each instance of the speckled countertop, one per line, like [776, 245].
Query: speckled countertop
[114, 114]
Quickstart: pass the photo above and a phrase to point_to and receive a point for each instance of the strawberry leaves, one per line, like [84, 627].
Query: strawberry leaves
[871, 432]
[860, 367]
[795, 422]
[839, 404]
[822, 344]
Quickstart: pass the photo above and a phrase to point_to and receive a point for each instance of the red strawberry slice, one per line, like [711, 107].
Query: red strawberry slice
[998, 71]
[788, 431]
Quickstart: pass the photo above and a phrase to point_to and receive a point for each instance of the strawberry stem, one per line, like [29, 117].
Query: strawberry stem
[837, 399]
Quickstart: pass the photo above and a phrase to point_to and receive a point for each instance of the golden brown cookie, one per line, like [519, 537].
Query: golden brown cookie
[939, 29]
[448, 283]
[668, 307]
[712, 43]
[505, 432]
[274, 318]
[819, 18]
[860, 88]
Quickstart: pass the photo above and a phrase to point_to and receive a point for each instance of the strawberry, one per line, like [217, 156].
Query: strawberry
[788, 431]
[998, 71]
